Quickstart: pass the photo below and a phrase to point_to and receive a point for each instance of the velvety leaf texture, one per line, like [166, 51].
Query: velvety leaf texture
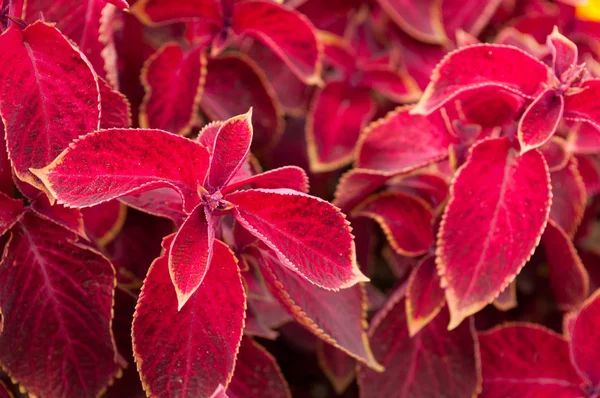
[434, 360]
[310, 236]
[524, 360]
[540, 120]
[189, 352]
[584, 341]
[424, 295]
[479, 66]
[42, 107]
[116, 168]
[56, 307]
[484, 238]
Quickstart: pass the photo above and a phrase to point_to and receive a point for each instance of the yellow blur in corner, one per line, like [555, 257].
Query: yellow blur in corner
[589, 11]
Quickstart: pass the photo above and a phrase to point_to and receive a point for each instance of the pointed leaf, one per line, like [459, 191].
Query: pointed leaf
[56, 303]
[191, 253]
[11, 210]
[189, 352]
[44, 109]
[585, 343]
[568, 278]
[540, 120]
[161, 202]
[484, 240]
[173, 79]
[555, 153]
[116, 111]
[424, 295]
[526, 360]
[421, 20]
[338, 366]
[564, 52]
[70, 219]
[335, 317]
[115, 167]
[507, 299]
[406, 221]
[402, 142]
[568, 197]
[222, 99]
[230, 150]
[290, 177]
[434, 363]
[486, 65]
[256, 374]
[336, 117]
[310, 236]
[356, 185]
[286, 32]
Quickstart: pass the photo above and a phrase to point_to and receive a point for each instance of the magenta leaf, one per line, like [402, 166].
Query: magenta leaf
[230, 150]
[582, 106]
[43, 108]
[335, 317]
[191, 253]
[116, 111]
[406, 221]
[564, 52]
[424, 295]
[11, 210]
[115, 167]
[432, 361]
[310, 236]
[192, 351]
[256, 374]
[540, 120]
[70, 219]
[472, 68]
[483, 228]
[173, 79]
[585, 344]
[402, 142]
[526, 360]
[56, 299]
[338, 366]
[290, 177]
[421, 20]
[569, 197]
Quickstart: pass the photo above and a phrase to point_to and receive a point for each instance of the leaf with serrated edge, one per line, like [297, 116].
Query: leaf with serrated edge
[424, 295]
[486, 217]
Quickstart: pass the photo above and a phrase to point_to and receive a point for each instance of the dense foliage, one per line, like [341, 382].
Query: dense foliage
[160, 236]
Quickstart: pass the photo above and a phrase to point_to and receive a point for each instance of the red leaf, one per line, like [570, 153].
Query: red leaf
[161, 202]
[116, 111]
[230, 150]
[568, 278]
[120, 4]
[6, 181]
[11, 211]
[526, 360]
[115, 167]
[585, 344]
[191, 253]
[286, 32]
[70, 219]
[555, 153]
[424, 295]
[589, 170]
[290, 177]
[256, 374]
[335, 317]
[80, 22]
[151, 12]
[470, 16]
[484, 240]
[173, 80]
[336, 117]
[584, 138]
[234, 84]
[396, 86]
[189, 352]
[430, 187]
[339, 367]
[421, 20]
[481, 66]
[104, 221]
[43, 108]
[56, 298]
[356, 185]
[583, 106]
[540, 120]
[310, 236]
[564, 52]
[405, 220]
[568, 197]
[402, 142]
[434, 363]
